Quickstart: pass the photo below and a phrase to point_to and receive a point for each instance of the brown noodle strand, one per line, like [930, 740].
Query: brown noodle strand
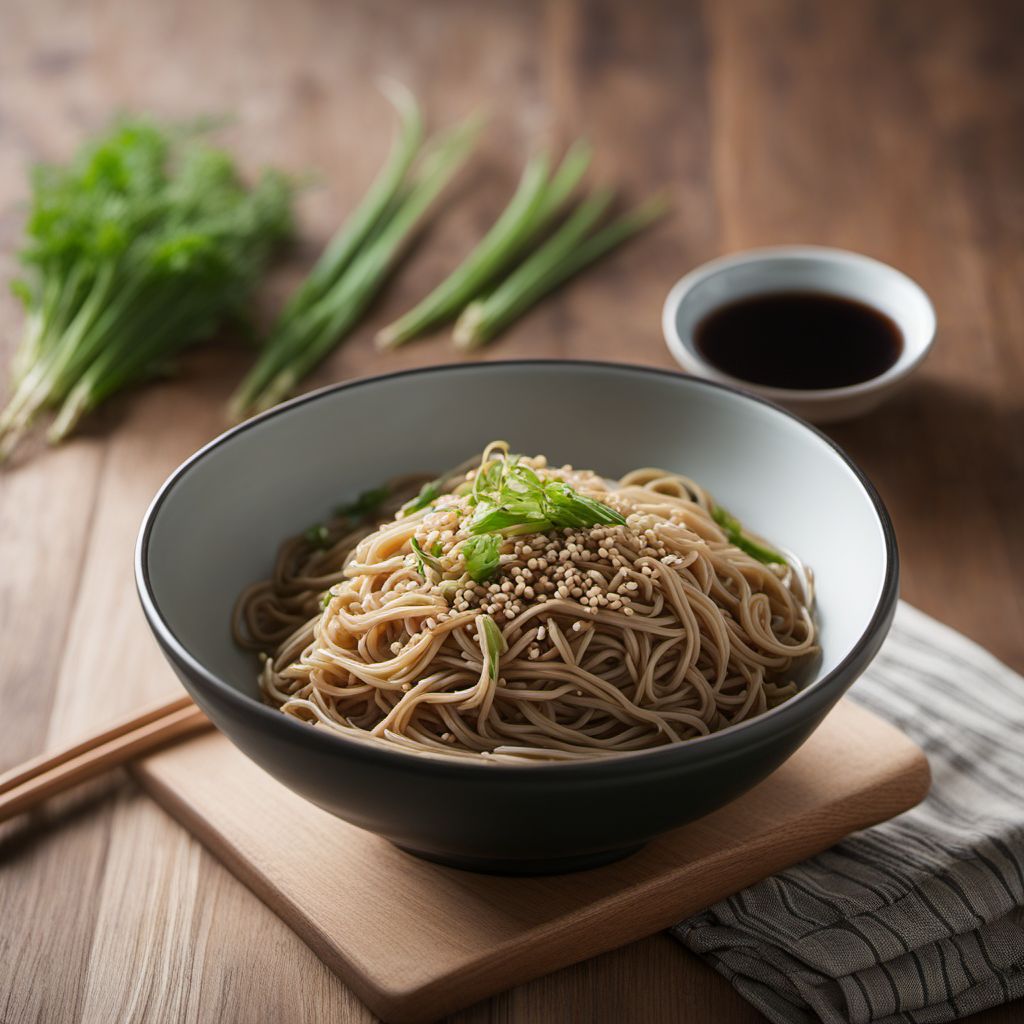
[667, 632]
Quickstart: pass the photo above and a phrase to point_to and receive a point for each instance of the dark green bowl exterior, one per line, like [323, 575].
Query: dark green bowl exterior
[512, 819]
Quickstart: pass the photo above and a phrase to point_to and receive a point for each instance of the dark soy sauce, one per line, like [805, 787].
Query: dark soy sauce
[804, 340]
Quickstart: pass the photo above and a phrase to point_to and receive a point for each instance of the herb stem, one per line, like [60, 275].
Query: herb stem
[302, 342]
[534, 204]
[293, 327]
[551, 266]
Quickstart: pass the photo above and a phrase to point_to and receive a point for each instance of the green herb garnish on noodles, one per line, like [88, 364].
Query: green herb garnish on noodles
[733, 529]
[424, 560]
[511, 497]
[142, 245]
[366, 504]
[428, 492]
[482, 555]
[494, 643]
[317, 536]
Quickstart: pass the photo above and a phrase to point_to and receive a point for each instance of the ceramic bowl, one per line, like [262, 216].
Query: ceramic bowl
[217, 521]
[803, 268]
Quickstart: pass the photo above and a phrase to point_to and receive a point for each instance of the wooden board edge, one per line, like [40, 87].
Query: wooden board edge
[383, 1004]
[505, 967]
[515, 963]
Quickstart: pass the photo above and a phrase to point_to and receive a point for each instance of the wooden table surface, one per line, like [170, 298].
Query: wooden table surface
[893, 129]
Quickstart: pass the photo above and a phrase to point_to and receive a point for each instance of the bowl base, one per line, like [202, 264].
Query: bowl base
[525, 866]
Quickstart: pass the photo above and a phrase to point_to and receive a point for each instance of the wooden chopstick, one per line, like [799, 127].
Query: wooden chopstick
[42, 777]
[43, 763]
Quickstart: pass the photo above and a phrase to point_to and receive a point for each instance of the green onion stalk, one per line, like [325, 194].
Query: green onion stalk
[569, 250]
[536, 201]
[358, 261]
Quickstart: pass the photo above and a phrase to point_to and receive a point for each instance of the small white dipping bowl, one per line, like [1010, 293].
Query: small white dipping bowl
[804, 268]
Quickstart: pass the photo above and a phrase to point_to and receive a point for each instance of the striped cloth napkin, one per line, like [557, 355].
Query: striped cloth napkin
[920, 919]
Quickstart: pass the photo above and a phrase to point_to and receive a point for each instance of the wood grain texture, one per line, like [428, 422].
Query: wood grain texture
[896, 129]
[416, 940]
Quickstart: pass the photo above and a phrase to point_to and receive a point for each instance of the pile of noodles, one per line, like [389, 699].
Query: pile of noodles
[674, 633]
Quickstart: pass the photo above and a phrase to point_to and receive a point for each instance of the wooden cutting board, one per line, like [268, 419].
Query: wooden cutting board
[417, 941]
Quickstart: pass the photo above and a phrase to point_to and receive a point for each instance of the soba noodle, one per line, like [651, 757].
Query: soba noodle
[584, 642]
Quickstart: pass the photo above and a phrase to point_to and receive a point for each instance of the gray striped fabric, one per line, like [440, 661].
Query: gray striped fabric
[921, 918]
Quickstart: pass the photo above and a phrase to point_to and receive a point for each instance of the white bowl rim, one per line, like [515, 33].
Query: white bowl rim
[691, 360]
[758, 728]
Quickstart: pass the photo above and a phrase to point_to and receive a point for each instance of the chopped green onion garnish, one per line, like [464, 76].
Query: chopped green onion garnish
[494, 642]
[509, 498]
[733, 529]
[318, 536]
[325, 600]
[510, 495]
[428, 492]
[482, 555]
[438, 549]
[367, 503]
[423, 559]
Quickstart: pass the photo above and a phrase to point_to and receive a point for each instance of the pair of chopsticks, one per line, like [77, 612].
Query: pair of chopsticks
[31, 783]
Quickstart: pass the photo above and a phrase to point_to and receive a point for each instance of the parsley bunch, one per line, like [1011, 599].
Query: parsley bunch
[139, 247]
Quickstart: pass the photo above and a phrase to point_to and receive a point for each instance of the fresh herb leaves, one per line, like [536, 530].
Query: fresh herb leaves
[140, 246]
[423, 560]
[318, 536]
[494, 643]
[566, 507]
[509, 496]
[482, 555]
[428, 492]
[367, 503]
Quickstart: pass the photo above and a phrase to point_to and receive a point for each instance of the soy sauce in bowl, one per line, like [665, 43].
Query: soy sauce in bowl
[829, 334]
[801, 340]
